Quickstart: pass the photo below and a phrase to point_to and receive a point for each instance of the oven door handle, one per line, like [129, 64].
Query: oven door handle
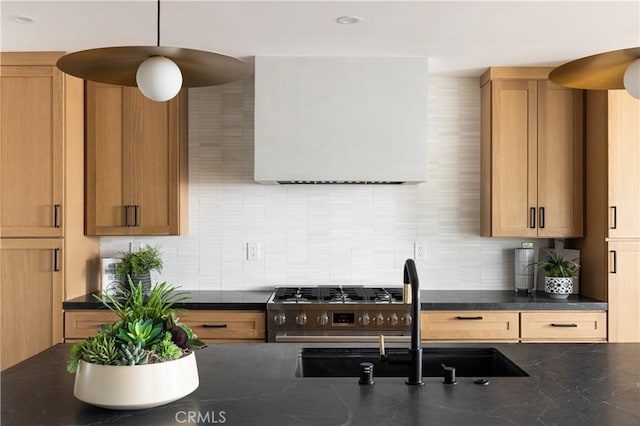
[342, 339]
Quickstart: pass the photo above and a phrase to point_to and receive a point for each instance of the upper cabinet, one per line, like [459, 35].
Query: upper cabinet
[136, 165]
[531, 155]
[31, 151]
[620, 124]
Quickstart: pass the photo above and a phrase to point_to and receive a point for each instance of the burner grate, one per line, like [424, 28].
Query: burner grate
[296, 294]
[384, 295]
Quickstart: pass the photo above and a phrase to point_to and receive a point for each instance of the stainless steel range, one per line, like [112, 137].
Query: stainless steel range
[337, 314]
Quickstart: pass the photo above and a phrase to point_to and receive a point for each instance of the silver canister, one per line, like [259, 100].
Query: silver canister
[524, 281]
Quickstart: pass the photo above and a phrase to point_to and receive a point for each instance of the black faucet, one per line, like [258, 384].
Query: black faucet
[414, 359]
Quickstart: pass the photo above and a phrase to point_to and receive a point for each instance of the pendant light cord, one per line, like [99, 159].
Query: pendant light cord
[158, 23]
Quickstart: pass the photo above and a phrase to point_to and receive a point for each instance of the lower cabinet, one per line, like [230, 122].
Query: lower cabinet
[209, 326]
[485, 326]
[511, 326]
[31, 281]
[550, 326]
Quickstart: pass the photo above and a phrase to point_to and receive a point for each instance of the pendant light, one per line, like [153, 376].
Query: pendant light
[618, 69]
[158, 71]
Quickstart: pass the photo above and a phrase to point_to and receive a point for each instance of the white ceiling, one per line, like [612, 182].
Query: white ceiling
[460, 38]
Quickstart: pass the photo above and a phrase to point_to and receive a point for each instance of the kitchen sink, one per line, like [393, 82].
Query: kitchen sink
[345, 362]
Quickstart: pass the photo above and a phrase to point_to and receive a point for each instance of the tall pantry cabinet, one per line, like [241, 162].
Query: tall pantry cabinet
[610, 249]
[44, 255]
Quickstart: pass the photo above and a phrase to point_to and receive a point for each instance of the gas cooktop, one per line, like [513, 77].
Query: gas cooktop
[337, 294]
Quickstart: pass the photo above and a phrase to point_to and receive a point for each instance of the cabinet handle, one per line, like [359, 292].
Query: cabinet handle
[541, 217]
[614, 217]
[56, 215]
[214, 325]
[613, 261]
[126, 215]
[135, 215]
[469, 318]
[564, 325]
[56, 260]
[532, 217]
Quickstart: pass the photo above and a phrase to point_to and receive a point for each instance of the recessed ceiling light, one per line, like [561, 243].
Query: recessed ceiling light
[24, 19]
[348, 20]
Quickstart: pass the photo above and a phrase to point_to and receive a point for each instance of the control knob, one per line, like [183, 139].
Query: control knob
[365, 320]
[301, 319]
[378, 319]
[407, 319]
[280, 318]
[393, 319]
[323, 318]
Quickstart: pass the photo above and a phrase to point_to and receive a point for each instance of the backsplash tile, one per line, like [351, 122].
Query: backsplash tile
[331, 234]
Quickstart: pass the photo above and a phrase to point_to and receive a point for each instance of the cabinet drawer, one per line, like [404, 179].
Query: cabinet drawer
[83, 324]
[563, 326]
[470, 325]
[209, 326]
[217, 326]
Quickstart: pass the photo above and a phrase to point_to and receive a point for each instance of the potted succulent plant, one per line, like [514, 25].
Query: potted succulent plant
[139, 264]
[143, 360]
[560, 273]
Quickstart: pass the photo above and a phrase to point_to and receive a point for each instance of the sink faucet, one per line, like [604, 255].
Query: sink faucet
[414, 360]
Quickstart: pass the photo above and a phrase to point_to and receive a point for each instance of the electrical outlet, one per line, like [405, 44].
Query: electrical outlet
[419, 251]
[253, 251]
[135, 246]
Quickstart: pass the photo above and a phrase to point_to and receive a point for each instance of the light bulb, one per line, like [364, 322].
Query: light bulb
[159, 78]
[632, 79]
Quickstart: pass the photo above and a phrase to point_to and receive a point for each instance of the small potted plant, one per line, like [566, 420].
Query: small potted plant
[139, 264]
[560, 273]
[143, 360]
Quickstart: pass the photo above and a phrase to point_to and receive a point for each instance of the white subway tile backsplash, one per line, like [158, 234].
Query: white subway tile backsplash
[331, 234]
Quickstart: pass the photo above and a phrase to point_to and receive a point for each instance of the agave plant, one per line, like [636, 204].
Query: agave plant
[148, 330]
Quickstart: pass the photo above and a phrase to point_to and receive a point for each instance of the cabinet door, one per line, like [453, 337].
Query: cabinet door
[136, 163]
[514, 158]
[156, 153]
[624, 291]
[31, 151]
[560, 161]
[624, 165]
[109, 192]
[31, 290]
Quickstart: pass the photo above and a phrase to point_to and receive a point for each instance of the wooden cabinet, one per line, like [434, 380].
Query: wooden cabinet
[136, 164]
[531, 155]
[31, 290]
[491, 326]
[623, 280]
[41, 202]
[209, 326]
[31, 151]
[609, 250]
[562, 326]
[227, 326]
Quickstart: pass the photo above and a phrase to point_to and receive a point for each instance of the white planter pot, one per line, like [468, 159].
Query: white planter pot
[138, 386]
[558, 287]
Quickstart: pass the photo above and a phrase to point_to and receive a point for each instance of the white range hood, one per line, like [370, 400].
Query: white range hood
[340, 120]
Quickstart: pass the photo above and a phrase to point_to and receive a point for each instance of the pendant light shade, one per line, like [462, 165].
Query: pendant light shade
[632, 79]
[159, 78]
[158, 71]
[618, 69]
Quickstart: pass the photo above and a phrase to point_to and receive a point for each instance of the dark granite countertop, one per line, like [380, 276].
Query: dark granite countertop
[431, 300]
[198, 300]
[255, 384]
[441, 300]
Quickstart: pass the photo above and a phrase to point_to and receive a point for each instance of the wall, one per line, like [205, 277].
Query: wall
[329, 234]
